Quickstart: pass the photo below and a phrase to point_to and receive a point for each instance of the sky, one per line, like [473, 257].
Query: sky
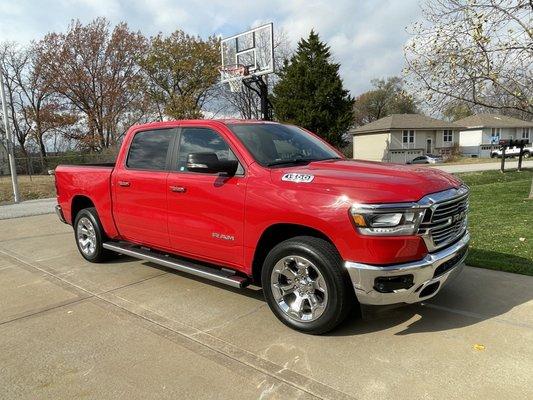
[366, 36]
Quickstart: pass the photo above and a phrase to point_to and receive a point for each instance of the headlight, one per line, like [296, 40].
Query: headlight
[387, 220]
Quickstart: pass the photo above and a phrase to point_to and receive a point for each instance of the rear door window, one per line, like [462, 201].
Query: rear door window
[149, 149]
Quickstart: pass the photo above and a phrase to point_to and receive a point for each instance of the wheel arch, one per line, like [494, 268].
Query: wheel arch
[278, 233]
[78, 203]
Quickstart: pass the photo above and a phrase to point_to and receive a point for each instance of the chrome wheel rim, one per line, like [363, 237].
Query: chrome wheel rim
[86, 236]
[299, 289]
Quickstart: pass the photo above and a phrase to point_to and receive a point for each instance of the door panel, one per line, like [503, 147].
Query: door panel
[140, 189]
[140, 206]
[206, 211]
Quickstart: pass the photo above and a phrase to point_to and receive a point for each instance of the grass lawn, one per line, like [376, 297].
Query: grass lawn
[36, 187]
[501, 220]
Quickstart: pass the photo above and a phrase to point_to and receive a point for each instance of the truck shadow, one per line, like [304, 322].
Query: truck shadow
[476, 296]
[251, 291]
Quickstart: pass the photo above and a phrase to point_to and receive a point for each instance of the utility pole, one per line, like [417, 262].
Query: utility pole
[9, 141]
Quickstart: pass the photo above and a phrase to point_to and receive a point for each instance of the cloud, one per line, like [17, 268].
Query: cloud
[366, 36]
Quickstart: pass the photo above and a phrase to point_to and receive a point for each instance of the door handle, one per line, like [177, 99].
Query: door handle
[178, 189]
[124, 183]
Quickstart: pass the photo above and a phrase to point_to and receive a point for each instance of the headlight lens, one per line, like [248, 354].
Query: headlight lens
[379, 220]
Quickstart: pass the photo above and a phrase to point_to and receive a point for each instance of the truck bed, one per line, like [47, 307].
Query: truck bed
[73, 182]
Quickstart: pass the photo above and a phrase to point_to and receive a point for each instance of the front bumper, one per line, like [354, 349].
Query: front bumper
[427, 278]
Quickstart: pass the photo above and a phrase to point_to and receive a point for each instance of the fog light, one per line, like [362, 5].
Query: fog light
[389, 284]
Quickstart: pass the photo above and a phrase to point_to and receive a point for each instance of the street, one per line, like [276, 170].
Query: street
[130, 329]
[509, 165]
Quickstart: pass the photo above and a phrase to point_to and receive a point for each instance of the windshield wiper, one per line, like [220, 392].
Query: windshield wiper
[291, 161]
[300, 161]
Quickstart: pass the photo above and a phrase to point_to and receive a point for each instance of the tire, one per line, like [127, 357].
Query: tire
[526, 154]
[326, 285]
[90, 236]
[493, 155]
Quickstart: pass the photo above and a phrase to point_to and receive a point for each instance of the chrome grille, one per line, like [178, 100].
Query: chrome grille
[445, 221]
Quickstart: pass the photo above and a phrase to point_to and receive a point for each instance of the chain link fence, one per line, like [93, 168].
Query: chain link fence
[37, 165]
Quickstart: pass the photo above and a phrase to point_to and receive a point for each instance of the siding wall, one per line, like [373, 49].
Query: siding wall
[373, 147]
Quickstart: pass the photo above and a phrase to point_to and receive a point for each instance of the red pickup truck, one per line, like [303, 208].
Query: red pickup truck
[243, 202]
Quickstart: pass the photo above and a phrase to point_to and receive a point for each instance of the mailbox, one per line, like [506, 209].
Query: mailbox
[513, 142]
[507, 143]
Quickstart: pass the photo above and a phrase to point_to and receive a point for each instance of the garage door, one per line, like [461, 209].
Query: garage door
[402, 156]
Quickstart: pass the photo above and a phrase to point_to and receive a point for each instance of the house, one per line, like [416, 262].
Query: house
[401, 137]
[483, 131]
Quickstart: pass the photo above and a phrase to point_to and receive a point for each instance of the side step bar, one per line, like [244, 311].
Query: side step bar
[218, 275]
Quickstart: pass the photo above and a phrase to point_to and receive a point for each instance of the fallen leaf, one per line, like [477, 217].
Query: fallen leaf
[479, 347]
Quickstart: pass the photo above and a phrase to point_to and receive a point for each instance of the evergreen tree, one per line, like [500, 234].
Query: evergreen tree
[310, 92]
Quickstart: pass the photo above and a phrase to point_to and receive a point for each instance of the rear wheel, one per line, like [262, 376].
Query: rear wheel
[305, 286]
[90, 236]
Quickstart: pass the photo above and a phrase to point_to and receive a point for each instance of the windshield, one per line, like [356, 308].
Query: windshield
[275, 144]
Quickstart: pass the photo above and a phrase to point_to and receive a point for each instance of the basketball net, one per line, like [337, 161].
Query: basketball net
[233, 75]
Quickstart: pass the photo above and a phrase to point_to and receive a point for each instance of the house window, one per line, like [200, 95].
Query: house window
[408, 138]
[525, 133]
[495, 135]
[447, 136]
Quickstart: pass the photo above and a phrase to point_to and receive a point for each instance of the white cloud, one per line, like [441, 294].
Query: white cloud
[366, 36]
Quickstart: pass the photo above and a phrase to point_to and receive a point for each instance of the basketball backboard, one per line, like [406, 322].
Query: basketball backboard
[253, 50]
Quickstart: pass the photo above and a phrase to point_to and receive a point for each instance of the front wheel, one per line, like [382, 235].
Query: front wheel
[305, 285]
[90, 236]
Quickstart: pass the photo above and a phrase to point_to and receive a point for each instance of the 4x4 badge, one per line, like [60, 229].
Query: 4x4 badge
[297, 178]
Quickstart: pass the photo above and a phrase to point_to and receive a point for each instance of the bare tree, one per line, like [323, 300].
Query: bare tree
[96, 69]
[13, 63]
[387, 97]
[475, 52]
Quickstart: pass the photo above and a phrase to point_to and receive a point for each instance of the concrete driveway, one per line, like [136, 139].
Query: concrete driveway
[131, 330]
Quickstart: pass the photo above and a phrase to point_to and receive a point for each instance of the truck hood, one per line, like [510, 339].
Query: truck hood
[367, 181]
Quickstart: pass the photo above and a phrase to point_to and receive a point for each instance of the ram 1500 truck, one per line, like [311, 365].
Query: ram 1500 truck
[243, 202]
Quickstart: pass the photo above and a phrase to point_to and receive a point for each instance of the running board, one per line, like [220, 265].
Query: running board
[218, 275]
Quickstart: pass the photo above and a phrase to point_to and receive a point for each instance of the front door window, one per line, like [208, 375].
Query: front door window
[429, 146]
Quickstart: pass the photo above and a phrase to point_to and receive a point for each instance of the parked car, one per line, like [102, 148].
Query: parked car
[512, 152]
[426, 159]
[242, 202]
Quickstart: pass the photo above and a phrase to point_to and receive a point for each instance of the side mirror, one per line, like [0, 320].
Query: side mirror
[208, 163]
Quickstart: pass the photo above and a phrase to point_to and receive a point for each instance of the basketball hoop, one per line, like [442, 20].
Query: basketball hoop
[245, 58]
[233, 75]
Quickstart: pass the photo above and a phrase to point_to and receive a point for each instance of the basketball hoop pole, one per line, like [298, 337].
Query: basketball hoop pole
[262, 92]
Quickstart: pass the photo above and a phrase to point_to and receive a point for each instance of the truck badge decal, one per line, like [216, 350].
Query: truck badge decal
[221, 236]
[297, 178]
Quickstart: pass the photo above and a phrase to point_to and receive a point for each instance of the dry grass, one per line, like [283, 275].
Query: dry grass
[36, 187]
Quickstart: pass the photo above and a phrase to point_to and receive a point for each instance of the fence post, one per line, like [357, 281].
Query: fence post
[28, 166]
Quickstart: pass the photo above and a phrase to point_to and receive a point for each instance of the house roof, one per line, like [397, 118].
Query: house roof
[405, 121]
[493, 121]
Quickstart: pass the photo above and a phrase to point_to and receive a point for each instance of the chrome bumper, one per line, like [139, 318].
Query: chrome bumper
[59, 213]
[363, 276]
